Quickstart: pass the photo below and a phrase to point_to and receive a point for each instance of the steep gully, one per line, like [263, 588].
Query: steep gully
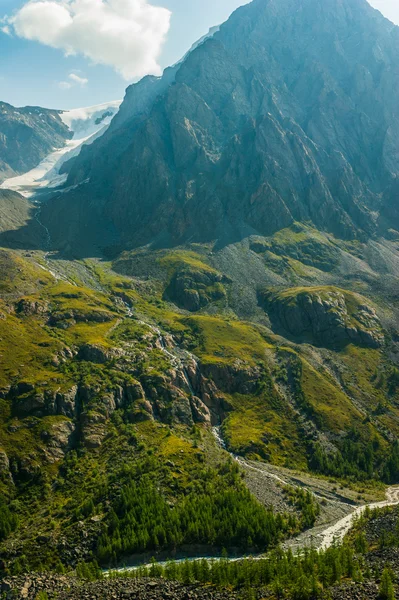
[319, 538]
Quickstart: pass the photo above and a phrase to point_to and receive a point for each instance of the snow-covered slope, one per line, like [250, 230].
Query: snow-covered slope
[87, 124]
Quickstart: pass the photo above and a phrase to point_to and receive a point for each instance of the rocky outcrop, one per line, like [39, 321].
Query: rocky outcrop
[200, 412]
[238, 377]
[194, 289]
[141, 411]
[68, 318]
[323, 316]
[67, 403]
[98, 354]
[28, 400]
[301, 243]
[188, 392]
[28, 307]
[58, 439]
[93, 429]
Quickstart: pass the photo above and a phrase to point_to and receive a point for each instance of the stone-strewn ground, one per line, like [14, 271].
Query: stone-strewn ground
[67, 588]
[356, 591]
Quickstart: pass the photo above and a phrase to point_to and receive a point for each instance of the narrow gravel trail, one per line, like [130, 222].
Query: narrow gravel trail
[338, 531]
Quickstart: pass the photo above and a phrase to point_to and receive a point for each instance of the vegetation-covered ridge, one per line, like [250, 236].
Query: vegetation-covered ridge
[109, 390]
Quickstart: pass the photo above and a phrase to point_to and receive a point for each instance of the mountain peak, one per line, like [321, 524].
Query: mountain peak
[313, 81]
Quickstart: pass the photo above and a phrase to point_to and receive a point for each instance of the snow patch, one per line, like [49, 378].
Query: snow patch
[87, 121]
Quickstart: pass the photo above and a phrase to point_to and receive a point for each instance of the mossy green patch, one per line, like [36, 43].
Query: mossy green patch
[306, 250]
[179, 259]
[333, 410]
[26, 350]
[218, 340]
[19, 276]
[264, 427]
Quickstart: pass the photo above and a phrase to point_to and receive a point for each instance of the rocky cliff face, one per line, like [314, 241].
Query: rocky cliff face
[289, 112]
[27, 135]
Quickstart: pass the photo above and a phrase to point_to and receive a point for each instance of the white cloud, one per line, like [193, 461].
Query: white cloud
[124, 34]
[73, 79]
[6, 29]
[80, 80]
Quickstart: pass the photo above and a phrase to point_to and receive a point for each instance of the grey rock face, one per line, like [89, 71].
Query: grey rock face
[67, 403]
[58, 439]
[97, 354]
[200, 411]
[236, 378]
[27, 401]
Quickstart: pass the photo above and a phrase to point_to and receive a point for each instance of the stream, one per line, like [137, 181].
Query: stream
[331, 535]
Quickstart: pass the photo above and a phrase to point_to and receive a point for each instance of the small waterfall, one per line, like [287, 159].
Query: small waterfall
[217, 432]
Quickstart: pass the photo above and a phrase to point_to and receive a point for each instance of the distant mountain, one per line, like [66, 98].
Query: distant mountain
[288, 113]
[27, 135]
[84, 125]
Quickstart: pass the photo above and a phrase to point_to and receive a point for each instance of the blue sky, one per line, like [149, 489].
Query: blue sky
[40, 73]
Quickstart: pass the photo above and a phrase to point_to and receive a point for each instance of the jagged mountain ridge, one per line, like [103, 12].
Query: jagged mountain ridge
[289, 112]
[27, 135]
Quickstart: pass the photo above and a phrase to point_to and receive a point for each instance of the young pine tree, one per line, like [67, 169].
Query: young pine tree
[386, 591]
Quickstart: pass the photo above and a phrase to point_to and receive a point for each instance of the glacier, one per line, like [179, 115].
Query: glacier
[87, 124]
